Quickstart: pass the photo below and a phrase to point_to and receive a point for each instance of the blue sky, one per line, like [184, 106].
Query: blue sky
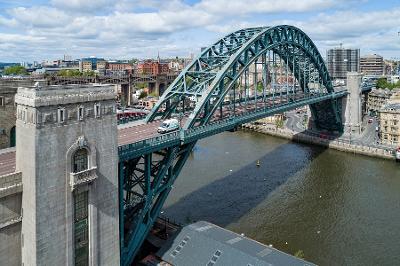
[123, 29]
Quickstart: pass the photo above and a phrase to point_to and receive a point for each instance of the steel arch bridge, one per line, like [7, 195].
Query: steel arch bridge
[247, 75]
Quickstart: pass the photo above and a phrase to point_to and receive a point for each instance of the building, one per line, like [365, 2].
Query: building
[204, 243]
[390, 123]
[377, 98]
[59, 206]
[8, 89]
[341, 60]
[101, 65]
[90, 63]
[372, 65]
[120, 66]
[150, 67]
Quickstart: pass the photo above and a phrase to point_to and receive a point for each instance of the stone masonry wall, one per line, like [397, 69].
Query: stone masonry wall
[10, 219]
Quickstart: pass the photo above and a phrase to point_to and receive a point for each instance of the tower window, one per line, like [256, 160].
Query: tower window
[80, 160]
[97, 110]
[80, 113]
[61, 115]
[81, 229]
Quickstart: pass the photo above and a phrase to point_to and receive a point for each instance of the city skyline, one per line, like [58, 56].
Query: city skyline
[123, 29]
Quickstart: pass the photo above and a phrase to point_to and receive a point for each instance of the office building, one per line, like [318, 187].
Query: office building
[342, 60]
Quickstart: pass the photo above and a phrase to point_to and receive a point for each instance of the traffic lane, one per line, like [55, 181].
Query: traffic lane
[138, 133]
[7, 163]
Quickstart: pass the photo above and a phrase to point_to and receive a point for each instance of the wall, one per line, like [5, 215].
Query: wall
[10, 219]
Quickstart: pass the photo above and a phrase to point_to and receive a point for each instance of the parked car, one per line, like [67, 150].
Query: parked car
[168, 126]
[370, 121]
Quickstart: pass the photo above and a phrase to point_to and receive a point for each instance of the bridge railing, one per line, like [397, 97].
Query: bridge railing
[228, 123]
[148, 145]
[125, 120]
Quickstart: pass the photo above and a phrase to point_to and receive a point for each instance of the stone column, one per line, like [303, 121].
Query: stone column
[352, 105]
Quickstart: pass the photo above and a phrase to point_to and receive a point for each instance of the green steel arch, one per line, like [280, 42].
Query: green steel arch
[214, 73]
[213, 81]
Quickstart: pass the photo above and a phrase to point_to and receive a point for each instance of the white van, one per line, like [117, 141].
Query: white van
[168, 126]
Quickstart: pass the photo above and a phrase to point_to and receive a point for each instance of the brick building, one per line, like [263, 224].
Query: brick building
[119, 66]
[152, 68]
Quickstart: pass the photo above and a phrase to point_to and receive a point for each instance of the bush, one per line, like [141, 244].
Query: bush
[15, 70]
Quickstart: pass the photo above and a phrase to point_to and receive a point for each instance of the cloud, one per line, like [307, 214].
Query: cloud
[241, 7]
[41, 16]
[91, 6]
[140, 28]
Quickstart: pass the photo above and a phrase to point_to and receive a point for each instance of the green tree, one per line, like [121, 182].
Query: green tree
[15, 70]
[142, 95]
[382, 83]
[299, 254]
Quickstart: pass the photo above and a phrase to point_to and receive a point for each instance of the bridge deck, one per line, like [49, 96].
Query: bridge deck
[131, 133]
[126, 135]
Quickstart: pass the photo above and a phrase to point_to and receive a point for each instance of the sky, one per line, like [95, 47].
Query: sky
[123, 29]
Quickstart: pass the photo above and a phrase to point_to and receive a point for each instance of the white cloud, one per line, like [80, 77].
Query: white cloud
[83, 5]
[263, 6]
[140, 28]
[41, 16]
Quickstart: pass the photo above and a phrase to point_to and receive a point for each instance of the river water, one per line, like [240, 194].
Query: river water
[338, 208]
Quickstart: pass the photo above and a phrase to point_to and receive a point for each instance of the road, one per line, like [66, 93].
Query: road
[369, 136]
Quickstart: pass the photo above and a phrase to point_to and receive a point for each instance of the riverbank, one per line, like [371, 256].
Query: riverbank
[337, 144]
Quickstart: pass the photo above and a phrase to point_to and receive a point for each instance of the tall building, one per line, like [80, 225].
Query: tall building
[342, 60]
[67, 159]
[372, 65]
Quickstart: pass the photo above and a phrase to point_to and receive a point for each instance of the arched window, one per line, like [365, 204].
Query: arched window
[80, 160]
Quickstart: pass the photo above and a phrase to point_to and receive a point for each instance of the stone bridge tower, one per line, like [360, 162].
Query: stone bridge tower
[67, 153]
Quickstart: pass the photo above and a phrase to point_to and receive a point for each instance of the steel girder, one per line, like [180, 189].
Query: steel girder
[211, 82]
[196, 77]
[144, 184]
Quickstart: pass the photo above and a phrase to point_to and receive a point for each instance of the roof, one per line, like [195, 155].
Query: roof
[391, 107]
[203, 243]
[7, 161]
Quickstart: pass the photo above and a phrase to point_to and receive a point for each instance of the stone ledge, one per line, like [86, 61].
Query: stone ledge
[84, 177]
[10, 222]
[10, 184]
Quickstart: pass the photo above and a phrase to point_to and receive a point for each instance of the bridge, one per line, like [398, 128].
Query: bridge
[234, 81]
[247, 75]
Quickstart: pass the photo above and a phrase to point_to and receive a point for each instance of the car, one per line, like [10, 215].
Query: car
[168, 126]
[370, 121]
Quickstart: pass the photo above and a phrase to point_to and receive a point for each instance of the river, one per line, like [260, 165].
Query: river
[338, 208]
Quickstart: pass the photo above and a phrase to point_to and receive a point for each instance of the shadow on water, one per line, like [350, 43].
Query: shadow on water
[227, 199]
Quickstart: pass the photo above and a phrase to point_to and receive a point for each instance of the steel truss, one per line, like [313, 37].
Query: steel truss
[145, 183]
[247, 75]
[219, 71]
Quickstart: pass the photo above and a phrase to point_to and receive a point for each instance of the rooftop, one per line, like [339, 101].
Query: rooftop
[394, 106]
[203, 243]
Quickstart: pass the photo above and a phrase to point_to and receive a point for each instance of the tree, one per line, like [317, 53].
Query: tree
[142, 95]
[382, 83]
[15, 70]
[299, 254]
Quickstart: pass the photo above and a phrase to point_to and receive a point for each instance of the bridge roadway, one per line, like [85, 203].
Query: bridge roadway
[135, 132]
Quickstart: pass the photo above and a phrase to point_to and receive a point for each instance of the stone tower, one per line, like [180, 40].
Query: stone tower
[352, 104]
[67, 153]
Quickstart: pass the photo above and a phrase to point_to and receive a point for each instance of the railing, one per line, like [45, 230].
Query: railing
[149, 145]
[192, 134]
[125, 120]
